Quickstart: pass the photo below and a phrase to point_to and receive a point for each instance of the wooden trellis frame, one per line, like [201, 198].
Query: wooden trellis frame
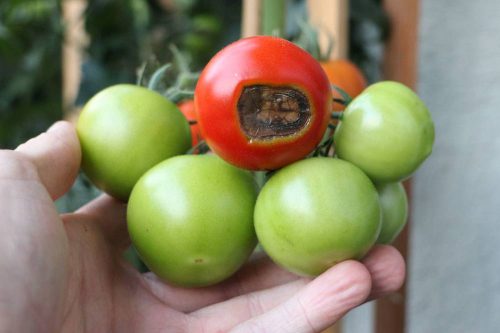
[75, 40]
[400, 64]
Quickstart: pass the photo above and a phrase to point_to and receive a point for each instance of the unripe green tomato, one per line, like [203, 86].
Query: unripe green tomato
[386, 131]
[315, 213]
[191, 219]
[394, 206]
[125, 130]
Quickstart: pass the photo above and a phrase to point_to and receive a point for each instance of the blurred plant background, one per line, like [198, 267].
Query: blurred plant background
[122, 35]
[31, 34]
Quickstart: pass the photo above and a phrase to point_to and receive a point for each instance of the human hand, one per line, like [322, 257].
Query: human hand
[67, 273]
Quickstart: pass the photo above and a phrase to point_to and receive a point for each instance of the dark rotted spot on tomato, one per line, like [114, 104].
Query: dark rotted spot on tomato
[198, 260]
[267, 112]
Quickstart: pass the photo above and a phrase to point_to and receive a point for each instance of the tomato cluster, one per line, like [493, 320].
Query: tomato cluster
[262, 104]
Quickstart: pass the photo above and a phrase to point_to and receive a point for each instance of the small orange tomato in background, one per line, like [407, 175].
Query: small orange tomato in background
[188, 110]
[347, 76]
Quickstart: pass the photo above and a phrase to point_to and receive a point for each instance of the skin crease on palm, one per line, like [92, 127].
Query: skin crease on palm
[66, 273]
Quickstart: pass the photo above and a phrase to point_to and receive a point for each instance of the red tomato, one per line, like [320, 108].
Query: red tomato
[188, 110]
[262, 103]
[345, 75]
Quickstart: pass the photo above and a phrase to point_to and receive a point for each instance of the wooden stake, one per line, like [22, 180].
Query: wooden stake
[75, 40]
[331, 17]
[400, 56]
[400, 64]
[250, 23]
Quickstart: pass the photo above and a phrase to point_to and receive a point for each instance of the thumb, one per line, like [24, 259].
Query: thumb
[56, 155]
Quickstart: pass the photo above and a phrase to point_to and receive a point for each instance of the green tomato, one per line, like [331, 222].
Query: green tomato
[125, 130]
[394, 206]
[315, 213]
[386, 131]
[191, 219]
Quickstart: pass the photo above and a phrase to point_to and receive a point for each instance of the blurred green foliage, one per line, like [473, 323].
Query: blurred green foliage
[123, 34]
[30, 68]
[368, 29]
[127, 33]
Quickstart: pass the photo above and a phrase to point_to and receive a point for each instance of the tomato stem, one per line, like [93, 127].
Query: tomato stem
[199, 149]
[336, 115]
[157, 77]
[340, 101]
[178, 59]
[176, 95]
[308, 39]
[273, 17]
[143, 74]
[260, 178]
[173, 80]
[346, 99]
[328, 150]
[325, 148]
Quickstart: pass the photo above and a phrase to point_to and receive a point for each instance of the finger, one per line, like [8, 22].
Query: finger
[246, 306]
[387, 269]
[259, 273]
[384, 263]
[110, 215]
[56, 155]
[316, 306]
[34, 245]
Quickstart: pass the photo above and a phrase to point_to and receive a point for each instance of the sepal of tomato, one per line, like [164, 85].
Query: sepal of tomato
[264, 66]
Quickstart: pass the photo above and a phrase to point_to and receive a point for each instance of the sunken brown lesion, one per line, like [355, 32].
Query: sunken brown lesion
[268, 112]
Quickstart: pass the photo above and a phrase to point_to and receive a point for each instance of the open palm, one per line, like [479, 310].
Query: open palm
[67, 273]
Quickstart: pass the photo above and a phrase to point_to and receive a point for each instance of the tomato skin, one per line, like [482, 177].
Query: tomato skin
[187, 108]
[124, 130]
[394, 206]
[191, 219]
[345, 75]
[387, 131]
[317, 212]
[261, 60]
